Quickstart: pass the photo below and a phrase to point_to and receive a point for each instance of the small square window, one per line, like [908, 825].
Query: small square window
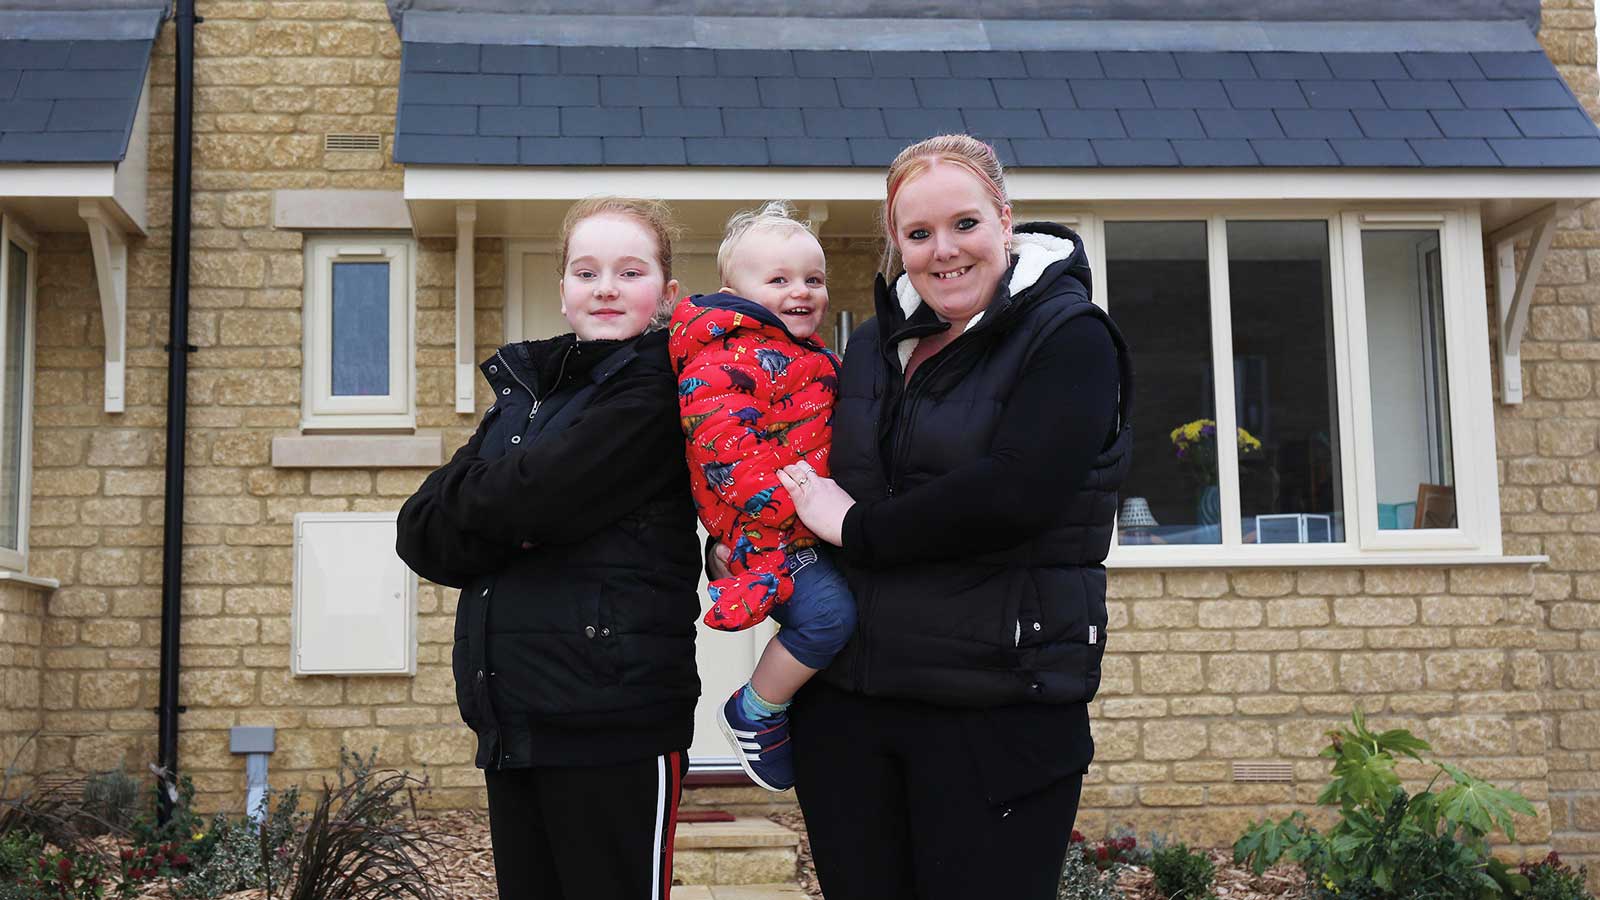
[358, 333]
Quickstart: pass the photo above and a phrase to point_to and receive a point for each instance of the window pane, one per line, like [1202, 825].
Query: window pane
[1160, 293]
[11, 412]
[1285, 393]
[361, 329]
[1410, 390]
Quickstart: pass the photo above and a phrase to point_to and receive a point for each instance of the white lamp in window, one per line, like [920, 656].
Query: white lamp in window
[1136, 514]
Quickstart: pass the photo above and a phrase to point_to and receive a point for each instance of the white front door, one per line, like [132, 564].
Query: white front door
[533, 311]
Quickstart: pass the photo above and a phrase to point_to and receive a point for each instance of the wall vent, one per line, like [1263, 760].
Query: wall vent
[337, 141]
[1263, 773]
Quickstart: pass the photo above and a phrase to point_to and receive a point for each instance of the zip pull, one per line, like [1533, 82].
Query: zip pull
[535, 410]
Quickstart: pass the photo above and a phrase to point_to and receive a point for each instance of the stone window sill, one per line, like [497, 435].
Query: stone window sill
[366, 451]
[1196, 560]
[33, 580]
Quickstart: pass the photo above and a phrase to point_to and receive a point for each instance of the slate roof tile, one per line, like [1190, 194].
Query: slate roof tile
[1546, 94]
[809, 151]
[64, 146]
[109, 55]
[1453, 152]
[1264, 94]
[8, 82]
[797, 92]
[1318, 123]
[555, 90]
[560, 151]
[1063, 64]
[1298, 66]
[878, 92]
[1475, 123]
[1047, 152]
[679, 121]
[643, 151]
[1123, 152]
[832, 64]
[761, 122]
[920, 123]
[39, 54]
[1138, 64]
[1395, 123]
[1419, 94]
[955, 92]
[1375, 153]
[987, 64]
[1215, 153]
[1162, 123]
[725, 152]
[538, 105]
[1188, 93]
[677, 61]
[1083, 123]
[844, 123]
[510, 59]
[80, 115]
[24, 115]
[77, 84]
[1240, 123]
[1294, 152]
[1119, 93]
[1214, 65]
[991, 124]
[1552, 123]
[1033, 93]
[521, 121]
[599, 60]
[754, 62]
[69, 101]
[1441, 65]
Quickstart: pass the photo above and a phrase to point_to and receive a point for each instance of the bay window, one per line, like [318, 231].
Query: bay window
[17, 279]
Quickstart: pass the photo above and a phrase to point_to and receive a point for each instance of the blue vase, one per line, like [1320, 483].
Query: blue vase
[1208, 505]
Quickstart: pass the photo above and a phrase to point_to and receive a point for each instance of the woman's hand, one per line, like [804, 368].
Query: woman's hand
[820, 501]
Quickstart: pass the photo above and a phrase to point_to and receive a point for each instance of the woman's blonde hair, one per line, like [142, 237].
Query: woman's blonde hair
[962, 150]
[774, 215]
[654, 215]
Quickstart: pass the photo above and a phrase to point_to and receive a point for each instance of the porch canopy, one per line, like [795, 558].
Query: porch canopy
[74, 135]
[505, 119]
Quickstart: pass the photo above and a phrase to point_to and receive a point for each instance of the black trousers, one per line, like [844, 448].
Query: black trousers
[586, 832]
[895, 809]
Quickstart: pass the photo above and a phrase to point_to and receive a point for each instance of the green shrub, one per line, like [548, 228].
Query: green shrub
[1082, 879]
[110, 802]
[246, 855]
[1182, 875]
[1389, 843]
[1551, 879]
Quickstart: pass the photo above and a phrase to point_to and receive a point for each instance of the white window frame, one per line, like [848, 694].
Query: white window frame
[1467, 349]
[12, 231]
[321, 409]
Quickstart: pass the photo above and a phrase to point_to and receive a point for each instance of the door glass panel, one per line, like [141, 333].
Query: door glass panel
[360, 329]
[1285, 393]
[1159, 290]
[11, 411]
[1411, 438]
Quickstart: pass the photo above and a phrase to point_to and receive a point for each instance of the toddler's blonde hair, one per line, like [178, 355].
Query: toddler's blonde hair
[774, 215]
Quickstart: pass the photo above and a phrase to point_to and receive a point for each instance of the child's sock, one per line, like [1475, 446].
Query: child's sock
[755, 706]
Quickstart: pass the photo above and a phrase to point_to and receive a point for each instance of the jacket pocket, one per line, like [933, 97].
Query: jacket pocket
[471, 692]
[601, 636]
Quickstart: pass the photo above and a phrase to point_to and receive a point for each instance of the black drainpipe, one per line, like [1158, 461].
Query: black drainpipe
[178, 351]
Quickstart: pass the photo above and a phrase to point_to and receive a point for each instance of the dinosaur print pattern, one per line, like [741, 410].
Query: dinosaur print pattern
[752, 399]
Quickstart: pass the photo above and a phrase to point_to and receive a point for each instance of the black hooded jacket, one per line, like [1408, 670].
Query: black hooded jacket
[986, 489]
[566, 521]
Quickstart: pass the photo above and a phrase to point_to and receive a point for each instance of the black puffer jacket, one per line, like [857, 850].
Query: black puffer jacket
[977, 572]
[578, 649]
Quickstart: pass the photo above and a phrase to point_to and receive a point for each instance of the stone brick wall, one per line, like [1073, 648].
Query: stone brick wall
[1550, 476]
[1495, 665]
[21, 660]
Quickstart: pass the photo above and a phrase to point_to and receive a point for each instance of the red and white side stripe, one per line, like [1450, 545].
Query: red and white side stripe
[669, 789]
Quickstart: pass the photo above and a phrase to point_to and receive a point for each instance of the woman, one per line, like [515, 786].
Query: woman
[980, 437]
[567, 521]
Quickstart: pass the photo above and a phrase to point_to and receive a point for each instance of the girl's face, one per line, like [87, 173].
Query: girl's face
[952, 239]
[613, 283]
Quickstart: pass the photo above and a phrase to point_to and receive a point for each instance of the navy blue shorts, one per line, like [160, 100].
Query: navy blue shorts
[821, 614]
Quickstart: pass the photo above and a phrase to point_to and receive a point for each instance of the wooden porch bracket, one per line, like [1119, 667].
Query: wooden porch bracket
[466, 337]
[111, 274]
[1514, 290]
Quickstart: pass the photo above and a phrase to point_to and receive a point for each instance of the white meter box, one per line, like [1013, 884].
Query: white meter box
[355, 602]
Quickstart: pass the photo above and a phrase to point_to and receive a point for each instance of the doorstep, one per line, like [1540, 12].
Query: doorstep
[738, 892]
[746, 851]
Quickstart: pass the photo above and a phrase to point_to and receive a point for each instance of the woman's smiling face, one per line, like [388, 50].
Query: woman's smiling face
[952, 239]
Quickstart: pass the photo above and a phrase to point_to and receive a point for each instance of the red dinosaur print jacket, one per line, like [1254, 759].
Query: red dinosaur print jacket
[753, 399]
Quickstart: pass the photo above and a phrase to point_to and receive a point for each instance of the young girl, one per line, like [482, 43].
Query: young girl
[567, 522]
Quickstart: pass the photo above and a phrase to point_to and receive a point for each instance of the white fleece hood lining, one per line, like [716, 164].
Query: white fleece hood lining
[1035, 253]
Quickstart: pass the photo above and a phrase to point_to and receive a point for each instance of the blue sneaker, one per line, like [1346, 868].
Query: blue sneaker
[762, 744]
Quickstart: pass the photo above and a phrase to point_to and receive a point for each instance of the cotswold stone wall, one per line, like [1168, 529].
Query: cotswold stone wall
[1496, 665]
